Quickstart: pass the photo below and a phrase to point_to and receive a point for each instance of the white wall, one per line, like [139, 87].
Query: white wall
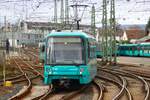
[13, 43]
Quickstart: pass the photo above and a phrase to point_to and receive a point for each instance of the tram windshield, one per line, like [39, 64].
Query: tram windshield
[64, 50]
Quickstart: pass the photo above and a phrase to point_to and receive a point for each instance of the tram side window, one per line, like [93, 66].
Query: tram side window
[147, 49]
[143, 48]
[43, 48]
[125, 48]
[133, 48]
[91, 50]
[121, 48]
[130, 48]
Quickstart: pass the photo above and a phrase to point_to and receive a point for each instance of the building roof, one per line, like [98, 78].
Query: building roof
[135, 34]
[144, 39]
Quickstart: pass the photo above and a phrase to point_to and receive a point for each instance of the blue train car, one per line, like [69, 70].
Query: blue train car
[128, 50]
[70, 56]
[134, 50]
[144, 50]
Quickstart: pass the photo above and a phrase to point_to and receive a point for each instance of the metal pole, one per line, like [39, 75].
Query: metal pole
[4, 68]
[104, 32]
[66, 12]
[76, 12]
[93, 27]
[103, 45]
[5, 27]
[111, 32]
[4, 55]
[62, 13]
[26, 16]
[55, 11]
[114, 32]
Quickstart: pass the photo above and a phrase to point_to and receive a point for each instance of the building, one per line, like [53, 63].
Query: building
[31, 33]
[145, 39]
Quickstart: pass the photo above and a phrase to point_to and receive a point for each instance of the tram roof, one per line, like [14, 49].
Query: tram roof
[129, 44]
[81, 34]
[141, 44]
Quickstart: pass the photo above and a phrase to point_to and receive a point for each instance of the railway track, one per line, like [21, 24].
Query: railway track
[134, 76]
[122, 87]
[27, 89]
[73, 94]
[45, 95]
[33, 54]
[100, 89]
[25, 72]
[27, 67]
[124, 83]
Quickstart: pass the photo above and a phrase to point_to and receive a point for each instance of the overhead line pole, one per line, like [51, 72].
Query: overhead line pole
[55, 11]
[93, 27]
[104, 33]
[111, 33]
[62, 13]
[66, 12]
[113, 28]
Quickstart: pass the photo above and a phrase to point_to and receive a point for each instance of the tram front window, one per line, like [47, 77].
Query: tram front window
[65, 50]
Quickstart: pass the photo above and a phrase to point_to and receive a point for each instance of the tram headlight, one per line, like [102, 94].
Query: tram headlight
[81, 70]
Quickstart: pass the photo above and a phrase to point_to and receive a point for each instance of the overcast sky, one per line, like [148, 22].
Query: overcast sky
[127, 12]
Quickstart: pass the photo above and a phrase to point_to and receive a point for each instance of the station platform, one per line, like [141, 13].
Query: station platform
[139, 61]
[135, 61]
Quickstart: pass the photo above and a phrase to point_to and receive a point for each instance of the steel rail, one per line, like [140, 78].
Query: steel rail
[43, 96]
[100, 89]
[26, 90]
[146, 85]
[31, 67]
[122, 90]
[73, 94]
[18, 81]
[13, 78]
[47, 94]
[138, 73]
[115, 82]
[32, 53]
[147, 88]
[123, 82]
